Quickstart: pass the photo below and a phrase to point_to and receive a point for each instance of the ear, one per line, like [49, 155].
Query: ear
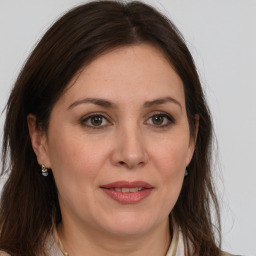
[193, 139]
[39, 141]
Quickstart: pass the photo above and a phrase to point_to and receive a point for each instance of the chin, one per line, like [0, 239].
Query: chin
[131, 224]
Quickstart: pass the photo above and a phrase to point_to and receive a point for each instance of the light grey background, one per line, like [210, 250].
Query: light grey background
[221, 35]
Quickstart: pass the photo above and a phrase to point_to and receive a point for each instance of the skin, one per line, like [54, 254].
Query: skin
[133, 142]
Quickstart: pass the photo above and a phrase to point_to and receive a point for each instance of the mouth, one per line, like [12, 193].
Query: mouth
[126, 192]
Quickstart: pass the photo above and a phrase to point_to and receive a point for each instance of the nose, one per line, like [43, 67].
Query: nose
[129, 149]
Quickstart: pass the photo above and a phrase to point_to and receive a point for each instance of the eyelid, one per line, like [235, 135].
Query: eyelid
[85, 118]
[158, 112]
[164, 114]
[90, 115]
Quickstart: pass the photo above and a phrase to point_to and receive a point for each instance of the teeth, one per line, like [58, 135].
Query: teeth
[128, 190]
[134, 189]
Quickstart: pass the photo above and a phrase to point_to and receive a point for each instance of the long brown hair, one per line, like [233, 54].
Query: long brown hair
[29, 204]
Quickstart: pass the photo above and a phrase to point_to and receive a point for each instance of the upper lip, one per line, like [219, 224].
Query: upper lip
[127, 184]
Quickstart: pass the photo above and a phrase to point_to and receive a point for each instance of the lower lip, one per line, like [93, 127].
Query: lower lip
[128, 198]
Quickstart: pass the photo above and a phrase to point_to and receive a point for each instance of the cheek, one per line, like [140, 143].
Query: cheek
[76, 165]
[170, 157]
[75, 158]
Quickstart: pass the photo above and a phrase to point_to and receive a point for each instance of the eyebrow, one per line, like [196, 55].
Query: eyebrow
[109, 104]
[161, 101]
[96, 101]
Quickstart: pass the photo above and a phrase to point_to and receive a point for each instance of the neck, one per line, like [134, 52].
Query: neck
[78, 241]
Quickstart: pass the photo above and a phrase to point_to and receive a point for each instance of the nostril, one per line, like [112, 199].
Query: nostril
[141, 163]
[123, 163]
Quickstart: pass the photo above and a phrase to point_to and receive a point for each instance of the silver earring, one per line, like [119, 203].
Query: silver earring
[44, 170]
[186, 172]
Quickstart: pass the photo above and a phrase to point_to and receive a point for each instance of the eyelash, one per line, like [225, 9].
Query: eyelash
[168, 118]
[89, 117]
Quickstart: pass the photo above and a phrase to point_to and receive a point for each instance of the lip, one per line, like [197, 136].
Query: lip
[129, 197]
[127, 184]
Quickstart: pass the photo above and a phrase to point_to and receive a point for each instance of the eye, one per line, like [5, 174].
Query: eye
[160, 120]
[95, 121]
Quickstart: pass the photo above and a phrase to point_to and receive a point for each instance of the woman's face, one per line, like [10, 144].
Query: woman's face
[118, 143]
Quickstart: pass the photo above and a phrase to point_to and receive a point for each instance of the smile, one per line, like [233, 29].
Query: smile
[126, 192]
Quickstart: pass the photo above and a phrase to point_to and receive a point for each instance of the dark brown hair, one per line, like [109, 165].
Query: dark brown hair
[29, 203]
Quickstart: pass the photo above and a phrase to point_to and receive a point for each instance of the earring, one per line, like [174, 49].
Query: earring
[186, 172]
[44, 170]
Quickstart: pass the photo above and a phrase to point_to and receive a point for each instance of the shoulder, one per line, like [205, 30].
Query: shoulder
[2, 253]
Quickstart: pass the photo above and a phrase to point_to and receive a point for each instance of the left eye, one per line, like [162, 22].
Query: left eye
[160, 120]
[95, 121]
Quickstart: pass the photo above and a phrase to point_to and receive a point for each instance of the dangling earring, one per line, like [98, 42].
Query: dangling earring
[44, 170]
[186, 172]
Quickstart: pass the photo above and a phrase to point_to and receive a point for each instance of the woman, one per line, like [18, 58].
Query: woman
[109, 139]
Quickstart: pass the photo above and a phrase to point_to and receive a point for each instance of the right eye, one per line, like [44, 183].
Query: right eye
[95, 121]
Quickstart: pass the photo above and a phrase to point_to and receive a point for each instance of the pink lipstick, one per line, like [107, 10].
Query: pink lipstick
[128, 192]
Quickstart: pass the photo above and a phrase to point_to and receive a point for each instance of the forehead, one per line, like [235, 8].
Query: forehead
[138, 71]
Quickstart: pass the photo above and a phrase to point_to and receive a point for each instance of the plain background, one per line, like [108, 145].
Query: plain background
[221, 35]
